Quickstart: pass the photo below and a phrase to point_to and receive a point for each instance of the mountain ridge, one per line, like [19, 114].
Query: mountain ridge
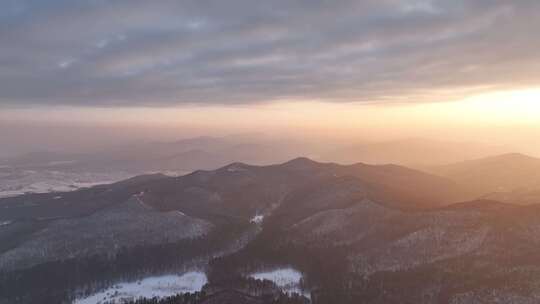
[503, 173]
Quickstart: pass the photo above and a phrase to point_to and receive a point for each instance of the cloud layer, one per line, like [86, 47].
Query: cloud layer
[164, 52]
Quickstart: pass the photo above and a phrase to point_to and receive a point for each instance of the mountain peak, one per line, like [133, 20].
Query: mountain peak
[515, 156]
[236, 167]
[508, 158]
[301, 162]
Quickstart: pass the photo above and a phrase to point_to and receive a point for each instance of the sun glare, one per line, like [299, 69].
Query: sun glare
[509, 106]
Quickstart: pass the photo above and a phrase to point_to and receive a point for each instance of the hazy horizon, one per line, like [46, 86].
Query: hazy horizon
[510, 124]
[95, 74]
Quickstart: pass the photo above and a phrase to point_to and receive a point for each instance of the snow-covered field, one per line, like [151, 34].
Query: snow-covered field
[15, 181]
[287, 279]
[160, 286]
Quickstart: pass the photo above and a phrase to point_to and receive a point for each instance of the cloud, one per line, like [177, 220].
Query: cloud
[164, 52]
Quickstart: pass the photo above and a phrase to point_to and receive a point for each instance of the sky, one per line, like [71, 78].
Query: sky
[366, 68]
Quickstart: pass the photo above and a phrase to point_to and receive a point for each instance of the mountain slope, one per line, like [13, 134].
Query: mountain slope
[128, 224]
[243, 190]
[373, 234]
[236, 192]
[462, 253]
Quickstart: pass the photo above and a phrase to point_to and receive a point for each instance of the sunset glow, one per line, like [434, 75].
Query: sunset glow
[269, 152]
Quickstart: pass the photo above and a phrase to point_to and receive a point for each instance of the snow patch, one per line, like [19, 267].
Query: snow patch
[60, 162]
[174, 173]
[4, 223]
[160, 287]
[287, 279]
[19, 181]
[257, 219]
[235, 169]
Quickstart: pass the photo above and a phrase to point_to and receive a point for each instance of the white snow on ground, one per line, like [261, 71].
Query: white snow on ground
[60, 162]
[287, 279]
[235, 169]
[5, 223]
[257, 219]
[161, 286]
[15, 182]
[171, 173]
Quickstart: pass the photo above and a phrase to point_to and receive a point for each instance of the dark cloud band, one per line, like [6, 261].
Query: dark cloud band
[136, 52]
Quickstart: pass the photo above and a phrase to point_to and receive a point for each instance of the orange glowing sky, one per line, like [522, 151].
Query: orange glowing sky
[466, 70]
[505, 117]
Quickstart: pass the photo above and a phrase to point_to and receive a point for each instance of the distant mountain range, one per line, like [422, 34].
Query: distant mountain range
[415, 152]
[184, 156]
[46, 171]
[513, 178]
[373, 233]
[213, 152]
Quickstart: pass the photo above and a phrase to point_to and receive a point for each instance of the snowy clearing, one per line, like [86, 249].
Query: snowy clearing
[161, 286]
[236, 169]
[16, 182]
[287, 279]
[257, 219]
